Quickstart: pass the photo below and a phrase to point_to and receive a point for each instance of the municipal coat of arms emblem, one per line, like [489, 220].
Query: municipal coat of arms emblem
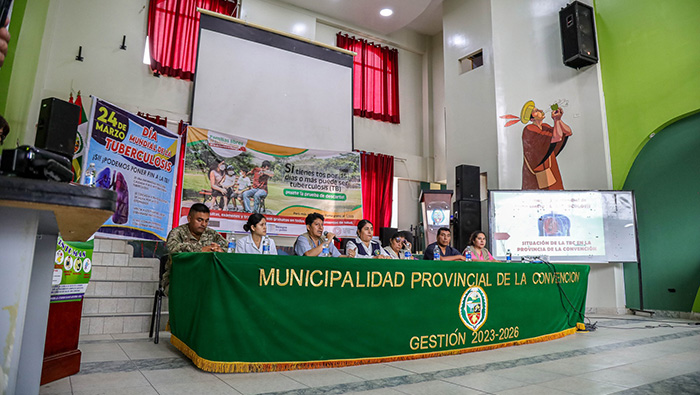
[474, 308]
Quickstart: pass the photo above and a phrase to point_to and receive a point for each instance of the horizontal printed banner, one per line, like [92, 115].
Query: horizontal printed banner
[257, 312]
[235, 177]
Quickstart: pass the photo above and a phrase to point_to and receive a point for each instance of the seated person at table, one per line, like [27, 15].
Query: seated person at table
[363, 245]
[398, 246]
[311, 243]
[253, 243]
[442, 244]
[195, 236]
[477, 247]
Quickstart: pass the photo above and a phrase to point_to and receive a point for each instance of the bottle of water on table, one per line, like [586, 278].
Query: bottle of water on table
[266, 246]
[324, 251]
[436, 253]
[231, 239]
[468, 255]
[90, 175]
[509, 256]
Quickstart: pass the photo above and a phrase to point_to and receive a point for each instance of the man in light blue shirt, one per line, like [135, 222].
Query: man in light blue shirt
[311, 243]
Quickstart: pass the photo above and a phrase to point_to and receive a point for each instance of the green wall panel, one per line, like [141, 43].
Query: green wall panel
[650, 66]
[17, 80]
[666, 181]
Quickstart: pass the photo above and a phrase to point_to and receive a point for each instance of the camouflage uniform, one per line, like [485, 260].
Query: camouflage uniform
[181, 239]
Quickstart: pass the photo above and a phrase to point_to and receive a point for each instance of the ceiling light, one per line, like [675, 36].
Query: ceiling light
[299, 29]
[386, 12]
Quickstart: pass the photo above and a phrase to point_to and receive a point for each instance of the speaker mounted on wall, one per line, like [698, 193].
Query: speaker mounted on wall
[578, 42]
[57, 126]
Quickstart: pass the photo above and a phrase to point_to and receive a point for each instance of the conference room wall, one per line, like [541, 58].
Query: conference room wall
[437, 71]
[522, 61]
[121, 77]
[530, 67]
[118, 76]
[470, 100]
[404, 140]
[410, 141]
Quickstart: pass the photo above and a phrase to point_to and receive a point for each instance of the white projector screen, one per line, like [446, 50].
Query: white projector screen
[564, 226]
[270, 87]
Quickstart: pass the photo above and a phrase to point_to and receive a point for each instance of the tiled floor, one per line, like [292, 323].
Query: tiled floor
[627, 354]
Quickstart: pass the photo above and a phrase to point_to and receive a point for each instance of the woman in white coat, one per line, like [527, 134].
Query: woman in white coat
[257, 240]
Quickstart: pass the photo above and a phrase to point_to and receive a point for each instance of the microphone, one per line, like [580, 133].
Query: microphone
[325, 236]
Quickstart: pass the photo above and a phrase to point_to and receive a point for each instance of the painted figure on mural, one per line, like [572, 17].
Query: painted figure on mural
[541, 145]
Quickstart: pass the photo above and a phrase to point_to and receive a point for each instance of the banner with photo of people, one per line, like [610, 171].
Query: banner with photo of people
[235, 176]
[135, 158]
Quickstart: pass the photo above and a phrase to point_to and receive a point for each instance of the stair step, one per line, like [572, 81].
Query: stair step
[97, 324]
[142, 314]
[124, 273]
[124, 305]
[121, 288]
[144, 262]
[149, 297]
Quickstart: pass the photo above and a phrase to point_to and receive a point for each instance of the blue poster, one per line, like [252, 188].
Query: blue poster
[136, 159]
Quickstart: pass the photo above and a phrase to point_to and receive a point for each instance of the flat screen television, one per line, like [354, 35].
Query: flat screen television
[563, 226]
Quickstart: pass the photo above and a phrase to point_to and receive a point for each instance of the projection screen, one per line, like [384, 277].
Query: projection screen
[564, 226]
[270, 87]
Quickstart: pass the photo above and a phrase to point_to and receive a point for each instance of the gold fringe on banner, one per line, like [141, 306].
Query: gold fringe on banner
[251, 367]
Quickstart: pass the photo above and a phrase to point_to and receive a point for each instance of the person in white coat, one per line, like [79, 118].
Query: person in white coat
[254, 242]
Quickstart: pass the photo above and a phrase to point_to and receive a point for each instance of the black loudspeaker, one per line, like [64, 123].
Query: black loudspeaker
[466, 219]
[578, 35]
[57, 126]
[468, 182]
[385, 234]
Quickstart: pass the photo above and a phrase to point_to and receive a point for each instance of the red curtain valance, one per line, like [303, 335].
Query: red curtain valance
[375, 79]
[173, 31]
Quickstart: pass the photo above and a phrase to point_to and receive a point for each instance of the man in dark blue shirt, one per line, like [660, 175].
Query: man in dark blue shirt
[442, 244]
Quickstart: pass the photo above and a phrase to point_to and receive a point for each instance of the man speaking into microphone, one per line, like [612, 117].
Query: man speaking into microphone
[316, 242]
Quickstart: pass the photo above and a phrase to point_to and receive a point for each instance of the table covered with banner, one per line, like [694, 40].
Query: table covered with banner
[249, 313]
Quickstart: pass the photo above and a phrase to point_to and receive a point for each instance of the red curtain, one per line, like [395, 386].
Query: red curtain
[173, 31]
[377, 172]
[375, 79]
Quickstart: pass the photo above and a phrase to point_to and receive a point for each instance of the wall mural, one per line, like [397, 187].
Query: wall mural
[542, 143]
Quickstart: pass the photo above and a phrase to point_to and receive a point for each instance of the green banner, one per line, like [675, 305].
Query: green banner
[239, 313]
[71, 271]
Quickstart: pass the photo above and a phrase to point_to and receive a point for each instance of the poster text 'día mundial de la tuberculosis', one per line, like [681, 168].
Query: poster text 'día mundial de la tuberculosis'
[135, 158]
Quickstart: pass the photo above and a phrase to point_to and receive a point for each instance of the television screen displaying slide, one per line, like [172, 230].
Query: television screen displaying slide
[563, 226]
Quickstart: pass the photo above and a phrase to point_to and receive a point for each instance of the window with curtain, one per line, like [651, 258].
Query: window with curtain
[375, 79]
[377, 173]
[173, 31]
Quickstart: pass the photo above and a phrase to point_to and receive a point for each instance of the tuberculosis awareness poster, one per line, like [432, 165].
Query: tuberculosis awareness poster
[234, 177]
[136, 159]
[71, 271]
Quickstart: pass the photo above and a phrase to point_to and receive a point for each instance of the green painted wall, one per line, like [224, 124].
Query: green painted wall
[17, 79]
[650, 66]
[6, 70]
[665, 179]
